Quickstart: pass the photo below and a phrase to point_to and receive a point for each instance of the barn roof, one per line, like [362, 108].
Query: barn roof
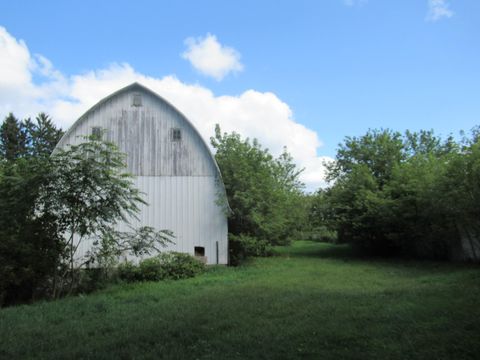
[137, 86]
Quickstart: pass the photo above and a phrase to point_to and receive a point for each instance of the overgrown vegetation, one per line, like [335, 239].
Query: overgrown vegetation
[312, 301]
[164, 266]
[50, 203]
[391, 194]
[409, 195]
[264, 194]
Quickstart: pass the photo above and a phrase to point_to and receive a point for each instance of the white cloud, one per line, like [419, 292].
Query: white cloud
[211, 58]
[253, 114]
[438, 9]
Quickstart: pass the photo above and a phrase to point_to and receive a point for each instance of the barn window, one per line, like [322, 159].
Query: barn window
[176, 134]
[199, 251]
[137, 100]
[96, 132]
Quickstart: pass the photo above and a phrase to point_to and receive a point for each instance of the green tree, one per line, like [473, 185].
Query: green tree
[50, 204]
[42, 135]
[378, 150]
[418, 221]
[13, 139]
[89, 193]
[264, 193]
[461, 189]
[30, 243]
[386, 196]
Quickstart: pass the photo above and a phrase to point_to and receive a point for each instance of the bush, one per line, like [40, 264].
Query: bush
[92, 279]
[242, 246]
[170, 265]
[151, 269]
[128, 272]
[318, 234]
[177, 265]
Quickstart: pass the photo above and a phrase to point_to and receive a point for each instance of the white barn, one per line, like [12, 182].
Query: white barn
[172, 165]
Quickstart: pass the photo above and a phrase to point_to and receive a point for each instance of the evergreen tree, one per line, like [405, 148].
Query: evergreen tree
[13, 139]
[42, 135]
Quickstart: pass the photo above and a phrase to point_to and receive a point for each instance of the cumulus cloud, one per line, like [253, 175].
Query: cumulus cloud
[211, 58]
[253, 114]
[438, 9]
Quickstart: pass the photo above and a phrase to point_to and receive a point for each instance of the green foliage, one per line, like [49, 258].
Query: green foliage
[165, 266]
[13, 140]
[42, 135]
[241, 247]
[28, 138]
[108, 247]
[128, 271]
[312, 301]
[151, 269]
[50, 204]
[30, 243]
[93, 279]
[177, 265]
[378, 151]
[90, 193]
[409, 195]
[264, 193]
[461, 186]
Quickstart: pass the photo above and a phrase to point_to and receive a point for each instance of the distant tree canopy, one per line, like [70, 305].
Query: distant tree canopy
[264, 193]
[28, 138]
[13, 140]
[413, 194]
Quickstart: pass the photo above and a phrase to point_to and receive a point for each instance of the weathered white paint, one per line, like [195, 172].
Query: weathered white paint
[180, 179]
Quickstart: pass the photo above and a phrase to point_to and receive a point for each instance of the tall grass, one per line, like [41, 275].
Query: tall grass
[312, 300]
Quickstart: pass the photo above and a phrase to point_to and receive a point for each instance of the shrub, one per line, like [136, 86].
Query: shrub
[92, 279]
[129, 272]
[151, 269]
[318, 234]
[177, 265]
[169, 265]
[243, 246]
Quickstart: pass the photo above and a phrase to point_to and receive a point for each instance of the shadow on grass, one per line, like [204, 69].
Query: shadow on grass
[319, 250]
[347, 253]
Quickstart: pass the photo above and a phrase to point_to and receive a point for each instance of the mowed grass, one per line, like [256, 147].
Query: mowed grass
[311, 301]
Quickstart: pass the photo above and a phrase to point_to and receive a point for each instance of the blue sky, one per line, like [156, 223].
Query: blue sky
[328, 68]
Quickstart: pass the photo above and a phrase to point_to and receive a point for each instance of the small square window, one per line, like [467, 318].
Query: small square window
[199, 251]
[97, 132]
[136, 100]
[176, 134]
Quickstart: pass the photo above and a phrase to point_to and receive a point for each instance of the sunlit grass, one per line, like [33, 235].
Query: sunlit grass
[312, 300]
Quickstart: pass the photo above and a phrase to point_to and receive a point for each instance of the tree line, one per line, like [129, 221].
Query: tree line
[413, 194]
[391, 194]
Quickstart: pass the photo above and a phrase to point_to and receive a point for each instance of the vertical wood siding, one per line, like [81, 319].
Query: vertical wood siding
[180, 179]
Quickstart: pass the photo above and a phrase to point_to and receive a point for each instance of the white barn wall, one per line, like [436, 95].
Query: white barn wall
[180, 179]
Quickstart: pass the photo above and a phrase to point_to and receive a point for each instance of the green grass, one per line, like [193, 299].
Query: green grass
[311, 301]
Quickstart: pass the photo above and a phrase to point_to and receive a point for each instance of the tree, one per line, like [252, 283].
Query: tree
[263, 192]
[42, 135]
[461, 189]
[378, 150]
[88, 194]
[387, 197]
[13, 139]
[30, 243]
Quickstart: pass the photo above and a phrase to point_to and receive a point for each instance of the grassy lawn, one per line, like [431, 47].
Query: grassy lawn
[313, 301]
